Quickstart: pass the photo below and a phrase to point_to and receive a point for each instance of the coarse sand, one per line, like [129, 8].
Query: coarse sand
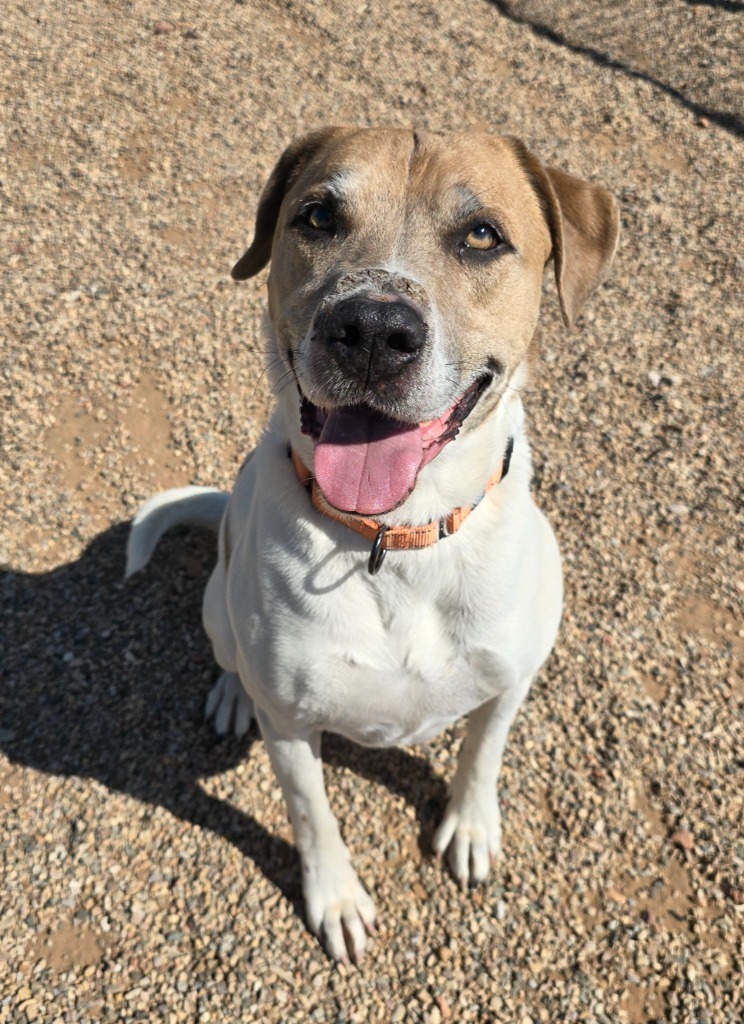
[148, 870]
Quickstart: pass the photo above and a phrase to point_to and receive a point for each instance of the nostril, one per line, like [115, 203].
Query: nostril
[348, 333]
[403, 341]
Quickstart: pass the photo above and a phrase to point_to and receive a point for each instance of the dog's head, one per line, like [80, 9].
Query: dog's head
[404, 289]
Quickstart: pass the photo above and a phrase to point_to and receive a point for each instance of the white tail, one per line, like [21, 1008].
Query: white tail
[182, 506]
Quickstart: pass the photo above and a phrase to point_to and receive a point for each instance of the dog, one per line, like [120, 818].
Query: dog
[383, 569]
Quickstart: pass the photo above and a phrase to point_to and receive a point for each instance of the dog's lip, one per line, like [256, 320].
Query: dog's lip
[367, 462]
[449, 422]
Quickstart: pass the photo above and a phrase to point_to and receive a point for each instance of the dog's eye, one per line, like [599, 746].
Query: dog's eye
[483, 237]
[318, 217]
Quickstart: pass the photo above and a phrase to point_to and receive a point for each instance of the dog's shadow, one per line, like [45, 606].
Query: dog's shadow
[107, 680]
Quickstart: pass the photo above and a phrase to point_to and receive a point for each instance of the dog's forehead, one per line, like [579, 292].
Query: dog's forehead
[358, 162]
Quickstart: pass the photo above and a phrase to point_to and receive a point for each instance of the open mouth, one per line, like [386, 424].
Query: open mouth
[368, 463]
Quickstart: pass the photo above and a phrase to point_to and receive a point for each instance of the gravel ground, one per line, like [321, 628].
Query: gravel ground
[148, 871]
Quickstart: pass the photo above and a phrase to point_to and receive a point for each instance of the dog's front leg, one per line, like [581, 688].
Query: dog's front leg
[471, 828]
[339, 910]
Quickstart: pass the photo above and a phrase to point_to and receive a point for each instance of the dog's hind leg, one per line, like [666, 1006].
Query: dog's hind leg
[230, 705]
[470, 831]
[227, 701]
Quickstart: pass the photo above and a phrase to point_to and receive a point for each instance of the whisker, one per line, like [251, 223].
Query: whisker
[508, 413]
[263, 373]
[269, 365]
[285, 385]
[525, 390]
[287, 377]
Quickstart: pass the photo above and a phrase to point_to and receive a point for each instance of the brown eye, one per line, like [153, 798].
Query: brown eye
[319, 217]
[482, 237]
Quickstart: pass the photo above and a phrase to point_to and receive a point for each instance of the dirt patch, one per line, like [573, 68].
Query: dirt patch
[643, 1004]
[69, 946]
[698, 614]
[88, 427]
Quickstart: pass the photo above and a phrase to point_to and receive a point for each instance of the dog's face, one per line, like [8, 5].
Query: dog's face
[404, 290]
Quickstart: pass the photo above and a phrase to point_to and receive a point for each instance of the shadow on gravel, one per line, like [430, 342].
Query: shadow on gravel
[106, 680]
[732, 6]
[726, 119]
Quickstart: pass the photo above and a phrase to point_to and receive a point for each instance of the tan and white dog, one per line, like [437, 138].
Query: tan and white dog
[404, 290]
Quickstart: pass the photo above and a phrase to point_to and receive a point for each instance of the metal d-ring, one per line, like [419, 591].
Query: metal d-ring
[378, 552]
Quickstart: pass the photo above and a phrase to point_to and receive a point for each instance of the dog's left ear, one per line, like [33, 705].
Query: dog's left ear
[294, 157]
[584, 223]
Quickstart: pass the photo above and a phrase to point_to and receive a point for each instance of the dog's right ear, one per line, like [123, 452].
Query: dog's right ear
[294, 157]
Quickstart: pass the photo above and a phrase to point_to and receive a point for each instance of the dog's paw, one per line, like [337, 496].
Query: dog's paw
[229, 703]
[339, 908]
[470, 834]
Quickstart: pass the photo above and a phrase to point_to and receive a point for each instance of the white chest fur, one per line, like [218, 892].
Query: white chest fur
[397, 657]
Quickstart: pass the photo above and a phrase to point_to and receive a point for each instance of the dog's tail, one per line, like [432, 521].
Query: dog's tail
[182, 506]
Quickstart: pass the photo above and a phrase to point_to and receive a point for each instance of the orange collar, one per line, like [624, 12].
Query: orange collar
[396, 538]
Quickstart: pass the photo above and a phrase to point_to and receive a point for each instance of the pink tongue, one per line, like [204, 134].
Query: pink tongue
[365, 462]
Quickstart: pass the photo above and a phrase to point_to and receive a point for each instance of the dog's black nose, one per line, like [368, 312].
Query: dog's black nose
[373, 338]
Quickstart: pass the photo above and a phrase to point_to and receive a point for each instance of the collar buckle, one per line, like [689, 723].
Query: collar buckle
[377, 552]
